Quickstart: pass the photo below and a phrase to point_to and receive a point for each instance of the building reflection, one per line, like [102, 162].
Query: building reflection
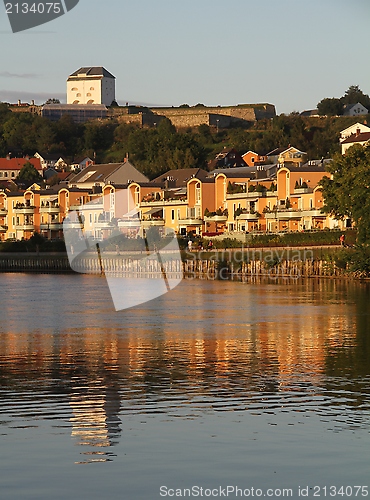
[269, 344]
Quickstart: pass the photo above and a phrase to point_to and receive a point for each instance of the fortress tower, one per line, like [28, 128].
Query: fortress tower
[93, 85]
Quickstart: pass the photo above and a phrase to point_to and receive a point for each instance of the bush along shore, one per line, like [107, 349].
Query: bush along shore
[265, 255]
[215, 264]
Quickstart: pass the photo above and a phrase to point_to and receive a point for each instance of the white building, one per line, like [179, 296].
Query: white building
[357, 128]
[94, 85]
[354, 110]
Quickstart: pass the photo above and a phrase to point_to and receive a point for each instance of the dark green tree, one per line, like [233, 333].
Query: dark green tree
[353, 95]
[28, 174]
[347, 191]
[330, 106]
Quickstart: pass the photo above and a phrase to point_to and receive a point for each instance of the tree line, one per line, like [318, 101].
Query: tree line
[154, 150]
[335, 106]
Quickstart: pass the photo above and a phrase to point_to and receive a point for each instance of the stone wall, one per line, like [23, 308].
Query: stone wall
[219, 116]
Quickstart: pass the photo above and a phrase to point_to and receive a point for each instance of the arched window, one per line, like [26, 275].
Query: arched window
[92, 88]
[91, 101]
[74, 89]
[78, 95]
[76, 102]
[88, 94]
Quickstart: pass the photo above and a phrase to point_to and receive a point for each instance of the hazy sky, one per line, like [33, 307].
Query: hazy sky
[291, 53]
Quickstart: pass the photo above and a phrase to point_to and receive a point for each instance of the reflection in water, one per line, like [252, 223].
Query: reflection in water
[206, 347]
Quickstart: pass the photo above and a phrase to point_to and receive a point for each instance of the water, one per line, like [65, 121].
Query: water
[249, 385]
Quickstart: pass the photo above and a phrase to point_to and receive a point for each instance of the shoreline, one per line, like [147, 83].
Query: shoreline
[234, 263]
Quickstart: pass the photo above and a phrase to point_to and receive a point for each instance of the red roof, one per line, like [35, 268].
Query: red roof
[362, 137]
[18, 163]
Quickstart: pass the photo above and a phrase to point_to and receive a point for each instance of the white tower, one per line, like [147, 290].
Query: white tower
[94, 85]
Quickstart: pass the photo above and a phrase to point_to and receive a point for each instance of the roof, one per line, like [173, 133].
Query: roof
[18, 163]
[309, 112]
[348, 107]
[72, 107]
[91, 71]
[102, 173]
[80, 159]
[248, 172]
[229, 157]
[181, 176]
[305, 168]
[357, 125]
[277, 151]
[51, 156]
[361, 137]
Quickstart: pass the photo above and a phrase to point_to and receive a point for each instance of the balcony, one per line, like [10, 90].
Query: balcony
[249, 216]
[68, 224]
[152, 222]
[52, 209]
[289, 213]
[3, 229]
[215, 218]
[30, 210]
[191, 222]
[25, 227]
[129, 223]
[302, 190]
[251, 194]
[52, 226]
[3, 211]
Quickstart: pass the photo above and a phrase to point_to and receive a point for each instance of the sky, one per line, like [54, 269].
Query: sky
[290, 53]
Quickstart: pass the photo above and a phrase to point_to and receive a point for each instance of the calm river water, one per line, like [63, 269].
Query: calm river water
[257, 386]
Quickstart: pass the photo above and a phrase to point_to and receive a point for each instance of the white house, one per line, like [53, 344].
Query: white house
[51, 160]
[355, 110]
[93, 85]
[357, 128]
[362, 138]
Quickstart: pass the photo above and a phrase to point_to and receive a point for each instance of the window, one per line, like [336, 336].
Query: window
[74, 89]
[88, 94]
[92, 88]
[172, 215]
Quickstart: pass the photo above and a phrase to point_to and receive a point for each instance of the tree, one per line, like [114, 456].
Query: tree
[52, 101]
[330, 106]
[353, 95]
[347, 192]
[28, 174]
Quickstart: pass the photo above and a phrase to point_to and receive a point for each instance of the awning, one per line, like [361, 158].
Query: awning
[153, 211]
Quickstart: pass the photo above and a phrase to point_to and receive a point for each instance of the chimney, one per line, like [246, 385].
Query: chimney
[32, 102]
[19, 102]
[358, 131]
[8, 156]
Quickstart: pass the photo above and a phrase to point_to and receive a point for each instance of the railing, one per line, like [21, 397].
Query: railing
[24, 210]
